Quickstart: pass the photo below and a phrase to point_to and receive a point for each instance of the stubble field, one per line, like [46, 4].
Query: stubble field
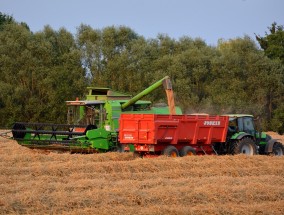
[33, 182]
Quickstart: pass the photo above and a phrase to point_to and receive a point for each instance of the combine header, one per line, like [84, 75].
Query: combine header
[50, 136]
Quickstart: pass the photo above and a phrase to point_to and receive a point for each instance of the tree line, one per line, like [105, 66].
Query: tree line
[41, 70]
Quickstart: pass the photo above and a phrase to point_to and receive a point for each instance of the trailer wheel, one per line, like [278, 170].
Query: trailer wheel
[187, 151]
[278, 149]
[171, 151]
[243, 146]
[137, 155]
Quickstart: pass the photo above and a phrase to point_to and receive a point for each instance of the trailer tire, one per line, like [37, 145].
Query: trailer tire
[137, 155]
[243, 146]
[171, 151]
[278, 149]
[187, 151]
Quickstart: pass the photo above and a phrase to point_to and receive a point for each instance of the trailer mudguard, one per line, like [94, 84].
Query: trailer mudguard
[269, 145]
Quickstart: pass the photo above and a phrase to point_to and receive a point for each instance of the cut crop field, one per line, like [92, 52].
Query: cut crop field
[35, 182]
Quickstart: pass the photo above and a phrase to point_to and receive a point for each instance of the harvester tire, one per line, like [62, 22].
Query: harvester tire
[187, 151]
[243, 146]
[171, 151]
[278, 149]
[120, 148]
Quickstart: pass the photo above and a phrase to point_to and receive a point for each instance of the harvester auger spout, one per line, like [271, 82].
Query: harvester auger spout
[166, 82]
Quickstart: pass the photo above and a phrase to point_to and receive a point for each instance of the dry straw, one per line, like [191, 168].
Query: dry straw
[32, 182]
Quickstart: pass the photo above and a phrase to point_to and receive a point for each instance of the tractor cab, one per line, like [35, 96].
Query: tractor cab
[241, 123]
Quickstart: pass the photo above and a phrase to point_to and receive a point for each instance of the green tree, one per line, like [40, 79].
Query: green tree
[273, 45]
[107, 55]
[5, 19]
[273, 42]
[277, 122]
[89, 43]
[246, 81]
[39, 72]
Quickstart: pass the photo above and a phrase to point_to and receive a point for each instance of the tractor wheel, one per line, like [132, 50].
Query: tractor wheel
[187, 151]
[244, 146]
[171, 151]
[278, 149]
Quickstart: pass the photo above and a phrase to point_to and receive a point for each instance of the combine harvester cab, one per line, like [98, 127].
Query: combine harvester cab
[182, 135]
[92, 124]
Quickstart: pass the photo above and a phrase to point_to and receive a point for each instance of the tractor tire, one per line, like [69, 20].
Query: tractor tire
[278, 149]
[170, 151]
[187, 151]
[243, 146]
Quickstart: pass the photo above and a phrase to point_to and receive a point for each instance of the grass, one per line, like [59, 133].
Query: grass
[33, 182]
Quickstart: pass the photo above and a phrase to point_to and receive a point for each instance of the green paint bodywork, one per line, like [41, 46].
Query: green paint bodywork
[113, 110]
[99, 138]
[262, 138]
[236, 135]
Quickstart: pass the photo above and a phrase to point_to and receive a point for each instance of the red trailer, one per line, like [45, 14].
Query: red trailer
[173, 135]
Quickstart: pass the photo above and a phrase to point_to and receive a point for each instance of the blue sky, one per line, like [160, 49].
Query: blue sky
[208, 19]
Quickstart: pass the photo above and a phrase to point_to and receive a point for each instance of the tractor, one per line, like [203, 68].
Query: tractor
[243, 138]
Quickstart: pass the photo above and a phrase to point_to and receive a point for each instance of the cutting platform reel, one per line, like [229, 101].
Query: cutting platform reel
[51, 136]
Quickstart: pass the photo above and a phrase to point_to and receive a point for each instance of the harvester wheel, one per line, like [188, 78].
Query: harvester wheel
[187, 151]
[171, 151]
[120, 148]
[278, 149]
[243, 146]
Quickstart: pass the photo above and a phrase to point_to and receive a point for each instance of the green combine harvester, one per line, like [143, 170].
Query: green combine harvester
[92, 124]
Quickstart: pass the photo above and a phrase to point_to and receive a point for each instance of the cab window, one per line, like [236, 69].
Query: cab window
[248, 125]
